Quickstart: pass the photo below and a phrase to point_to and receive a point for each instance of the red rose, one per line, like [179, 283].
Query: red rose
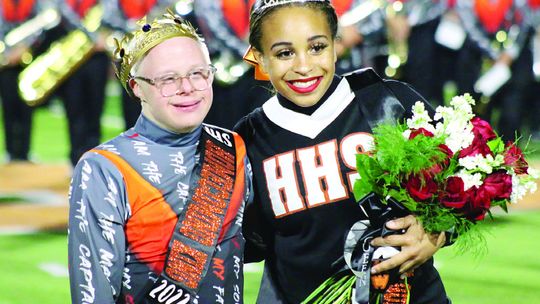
[478, 146]
[483, 128]
[421, 189]
[498, 185]
[454, 194]
[422, 131]
[439, 166]
[446, 150]
[479, 203]
[514, 158]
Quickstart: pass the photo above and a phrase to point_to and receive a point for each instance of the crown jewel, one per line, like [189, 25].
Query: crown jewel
[134, 45]
[266, 4]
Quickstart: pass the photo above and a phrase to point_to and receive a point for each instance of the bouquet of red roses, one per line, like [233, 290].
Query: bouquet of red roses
[449, 170]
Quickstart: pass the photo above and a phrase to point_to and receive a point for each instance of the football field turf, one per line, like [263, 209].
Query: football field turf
[34, 268]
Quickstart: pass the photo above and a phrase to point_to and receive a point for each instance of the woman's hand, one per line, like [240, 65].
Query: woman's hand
[417, 246]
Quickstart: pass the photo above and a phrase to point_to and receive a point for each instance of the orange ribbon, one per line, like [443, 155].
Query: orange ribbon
[249, 57]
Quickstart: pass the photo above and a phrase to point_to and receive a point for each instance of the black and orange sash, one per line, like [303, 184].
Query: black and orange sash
[17, 11]
[196, 234]
[216, 194]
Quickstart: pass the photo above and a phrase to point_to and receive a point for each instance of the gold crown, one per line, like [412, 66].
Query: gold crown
[265, 4]
[134, 45]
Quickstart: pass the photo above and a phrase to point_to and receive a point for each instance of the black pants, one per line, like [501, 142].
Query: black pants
[509, 100]
[429, 64]
[84, 95]
[17, 115]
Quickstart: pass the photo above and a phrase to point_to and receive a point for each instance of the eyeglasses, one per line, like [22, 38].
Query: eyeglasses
[171, 84]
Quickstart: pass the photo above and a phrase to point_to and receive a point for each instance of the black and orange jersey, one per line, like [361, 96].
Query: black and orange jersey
[304, 168]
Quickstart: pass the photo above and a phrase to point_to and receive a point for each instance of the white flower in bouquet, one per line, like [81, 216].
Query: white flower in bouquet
[455, 122]
[481, 163]
[470, 179]
[420, 118]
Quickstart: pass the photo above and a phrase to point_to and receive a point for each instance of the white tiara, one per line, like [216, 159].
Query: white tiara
[271, 3]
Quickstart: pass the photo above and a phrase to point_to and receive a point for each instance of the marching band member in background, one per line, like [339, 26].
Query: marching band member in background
[156, 212]
[496, 32]
[83, 93]
[17, 116]
[225, 26]
[415, 24]
[302, 145]
[119, 16]
[362, 41]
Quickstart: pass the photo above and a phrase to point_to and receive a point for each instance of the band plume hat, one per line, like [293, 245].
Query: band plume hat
[136, 44]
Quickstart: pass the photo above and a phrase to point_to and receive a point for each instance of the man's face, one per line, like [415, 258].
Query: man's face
[185, 110]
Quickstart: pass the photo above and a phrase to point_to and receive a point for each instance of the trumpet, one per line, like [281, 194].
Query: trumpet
[26, 33]
[39, 79]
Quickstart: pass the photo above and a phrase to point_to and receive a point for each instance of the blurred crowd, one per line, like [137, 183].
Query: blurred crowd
[488, 48]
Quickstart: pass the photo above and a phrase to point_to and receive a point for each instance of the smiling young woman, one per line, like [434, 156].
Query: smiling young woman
[302, 145]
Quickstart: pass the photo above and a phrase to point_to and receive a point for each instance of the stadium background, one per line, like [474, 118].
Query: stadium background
[33, 218]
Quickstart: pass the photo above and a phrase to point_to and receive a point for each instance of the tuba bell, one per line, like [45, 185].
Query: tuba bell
[27, 33]
[47, 71]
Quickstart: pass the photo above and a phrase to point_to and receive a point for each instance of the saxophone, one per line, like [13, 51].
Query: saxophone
[39, 79]
[26, 33]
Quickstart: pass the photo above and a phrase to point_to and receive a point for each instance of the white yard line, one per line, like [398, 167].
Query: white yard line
[17, 230]
[55, 269]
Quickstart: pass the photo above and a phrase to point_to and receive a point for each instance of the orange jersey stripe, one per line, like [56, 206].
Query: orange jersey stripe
[151, 225]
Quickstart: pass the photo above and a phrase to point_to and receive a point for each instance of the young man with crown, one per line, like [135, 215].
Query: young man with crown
[156, 212]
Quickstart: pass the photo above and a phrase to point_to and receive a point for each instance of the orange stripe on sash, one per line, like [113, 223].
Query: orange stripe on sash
[237, 197]
[152, 221]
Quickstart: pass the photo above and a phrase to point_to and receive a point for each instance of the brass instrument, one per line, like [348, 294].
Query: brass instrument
[27, 33]
[360, 12]
[39, 79]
